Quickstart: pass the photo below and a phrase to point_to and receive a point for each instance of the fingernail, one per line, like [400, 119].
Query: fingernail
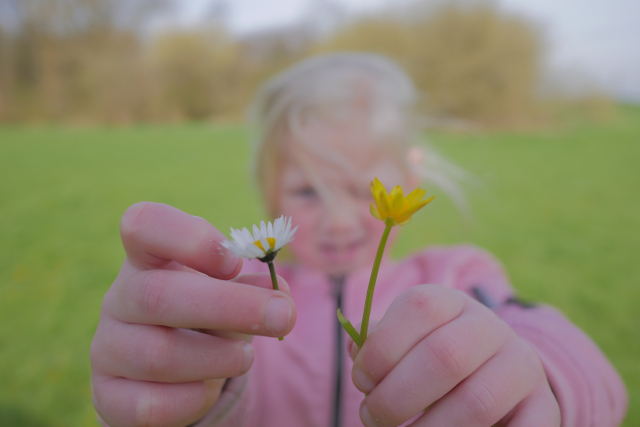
[248, 356]
[278, 315]
[353, 350]
[229, 263]
[365, 417]
[362, 381]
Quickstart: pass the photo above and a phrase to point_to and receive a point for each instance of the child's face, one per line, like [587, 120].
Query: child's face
[336, 232]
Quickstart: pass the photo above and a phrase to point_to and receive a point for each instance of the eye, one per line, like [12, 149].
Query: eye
[361, 193]
[306, 192]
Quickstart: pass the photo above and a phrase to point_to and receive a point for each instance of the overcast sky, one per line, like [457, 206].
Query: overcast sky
[598, 40]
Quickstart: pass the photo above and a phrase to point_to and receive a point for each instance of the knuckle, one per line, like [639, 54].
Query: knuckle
[530, 361]
[501, 327]
[426, 303]
[159, 405]
[152, 294]
[376, 358]
[156, 353]
[555, 413]
[98, 396]
[94, 351]
[111, 296]
[386, 408]
[208, 237]
[481, 404]
[448, 354]
[239, 367]
[151, 407]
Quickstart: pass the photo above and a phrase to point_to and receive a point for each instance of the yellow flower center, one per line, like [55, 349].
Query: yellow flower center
[271, 240]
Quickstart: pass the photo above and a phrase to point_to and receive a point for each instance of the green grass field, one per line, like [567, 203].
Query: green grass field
[560, 209]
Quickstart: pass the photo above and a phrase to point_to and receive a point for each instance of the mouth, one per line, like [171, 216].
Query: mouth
[341, 253]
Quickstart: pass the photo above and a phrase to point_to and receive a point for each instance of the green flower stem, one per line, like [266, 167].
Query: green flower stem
[349, 328]
[372, 284]
[274, 280]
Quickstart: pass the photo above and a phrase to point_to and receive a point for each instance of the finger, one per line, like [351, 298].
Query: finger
[123, 402]
[416, 312]
[262, 280]
[436, 365]
[491, 392]
[187, 300]
[353, 349]
[154, 234]
[538, 410]
[169, 355]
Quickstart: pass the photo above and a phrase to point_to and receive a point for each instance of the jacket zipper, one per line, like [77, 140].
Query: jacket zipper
[338, 284]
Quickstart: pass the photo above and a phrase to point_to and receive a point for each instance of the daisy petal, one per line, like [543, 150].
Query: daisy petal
[247, 238]
[256, 233]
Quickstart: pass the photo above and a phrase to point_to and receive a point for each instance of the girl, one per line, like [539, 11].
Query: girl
[186, 330]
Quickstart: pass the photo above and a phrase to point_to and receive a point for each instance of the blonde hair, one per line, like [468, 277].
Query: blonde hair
[344, 88]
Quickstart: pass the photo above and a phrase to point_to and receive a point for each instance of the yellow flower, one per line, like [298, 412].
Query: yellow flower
[394, 208]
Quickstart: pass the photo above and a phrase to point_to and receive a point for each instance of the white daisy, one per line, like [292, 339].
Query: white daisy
[266, 240]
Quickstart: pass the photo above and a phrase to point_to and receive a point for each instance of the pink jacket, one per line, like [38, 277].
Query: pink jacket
[293, 382]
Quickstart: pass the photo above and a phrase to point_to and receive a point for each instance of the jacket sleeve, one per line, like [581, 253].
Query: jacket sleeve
[588, 388]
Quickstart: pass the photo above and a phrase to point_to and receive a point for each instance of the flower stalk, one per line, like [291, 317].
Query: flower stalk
[372, 284]
[274, 279]
[393, 209]
[263, 245]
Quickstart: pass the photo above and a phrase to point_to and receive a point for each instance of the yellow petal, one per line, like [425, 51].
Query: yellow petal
[380, 198]
[383, 206]
[375, 194]
[396, 200]
[377, 187]
[374, 212]
[415, 195]
[405, 222]
[377, 190]
[406, 215]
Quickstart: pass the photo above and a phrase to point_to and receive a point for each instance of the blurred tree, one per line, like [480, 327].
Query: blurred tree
[469, 62]
[90, 60]
[200, 72]
[50, 51]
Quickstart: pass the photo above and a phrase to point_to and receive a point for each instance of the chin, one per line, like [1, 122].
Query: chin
[341, 267]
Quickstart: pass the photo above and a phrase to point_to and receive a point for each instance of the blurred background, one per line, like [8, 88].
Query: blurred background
[104, 103]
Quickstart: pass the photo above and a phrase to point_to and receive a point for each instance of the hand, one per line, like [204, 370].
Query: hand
[439, 348]
[149, 367]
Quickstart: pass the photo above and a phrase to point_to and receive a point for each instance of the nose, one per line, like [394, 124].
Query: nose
[341, 216]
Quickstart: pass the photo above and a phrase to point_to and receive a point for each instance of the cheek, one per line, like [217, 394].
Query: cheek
[375, 229]
[305, 217]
